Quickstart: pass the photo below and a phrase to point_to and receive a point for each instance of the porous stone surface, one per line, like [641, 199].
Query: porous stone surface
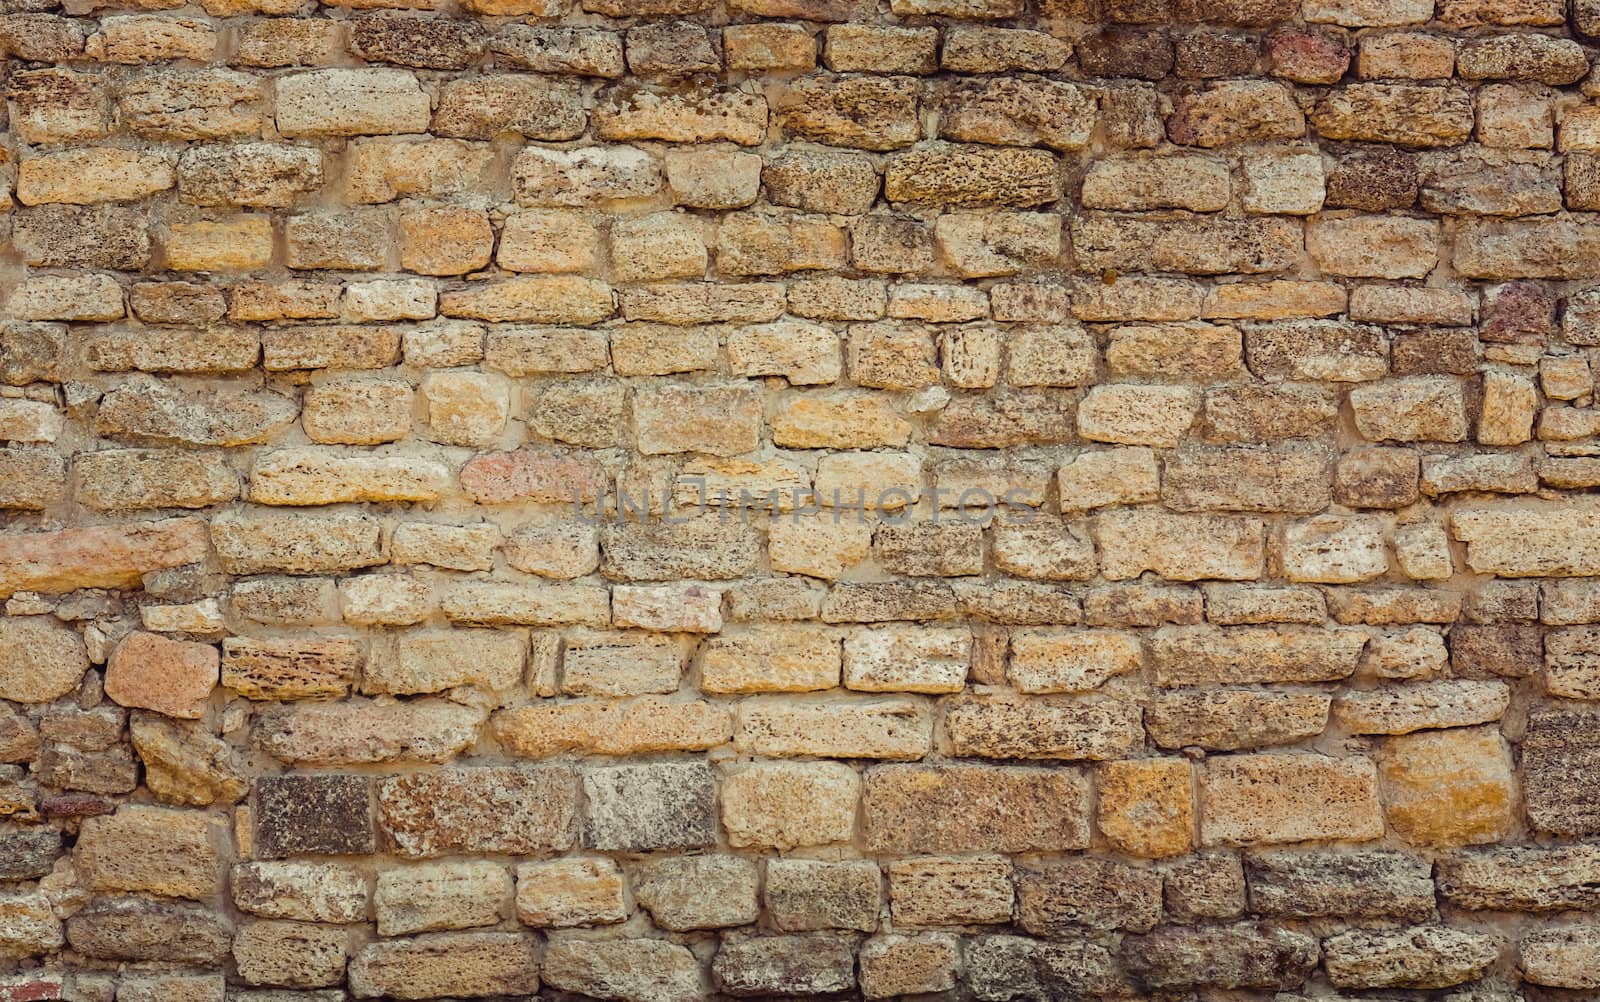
[662, 500]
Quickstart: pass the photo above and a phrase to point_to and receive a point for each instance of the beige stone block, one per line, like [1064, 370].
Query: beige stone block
[435, 896]
[782, 805]
[563, 893]
[1270, 799]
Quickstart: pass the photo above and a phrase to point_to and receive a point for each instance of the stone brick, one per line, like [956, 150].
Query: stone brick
[910, 809]
[46, 660]
[1420, 957]
[644, 807]
[437, 896]
[1448, 788]
[462, 963]
[350, 102]
[1373, 883]
[292, 954]
[173, 677]
[96, 557]
[312, 814]
[495, 809]
[1066, 896]
[625, 968]
[1245, 955]
[898, 729]
[140, 929]
[1266, 799]
[684, 893]
[1145, 806]
[152, 850]
[787, 804]
[570, 892]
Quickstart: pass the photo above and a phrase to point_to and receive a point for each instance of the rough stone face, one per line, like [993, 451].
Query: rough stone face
[938, 808]
[1238, 956]
[490, 809]
[1264, 799]
[647, 969]
[436, 896]
[301, 891]
[141, 929]
[173, 677]
[152, 850]
[644, 807]
[313, 814]
[698, 892]
[1372, 883]
[1421, 957]
[44, 660]
[463, 963]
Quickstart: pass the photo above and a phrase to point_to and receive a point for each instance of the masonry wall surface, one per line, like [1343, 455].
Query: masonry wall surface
[679, 499]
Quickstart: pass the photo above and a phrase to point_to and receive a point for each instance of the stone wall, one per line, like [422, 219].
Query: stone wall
[679, 499]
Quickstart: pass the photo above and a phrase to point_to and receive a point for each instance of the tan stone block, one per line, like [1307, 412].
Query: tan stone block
[350, 102]
[1050, 661]
[466, 408]
[884, 729]
[562, 893]
[461, 963]
[845, 419]
[96, 174]
[907, 659]
[97, 556]
[243, 243]
[776, 658]
[1131, 414]
[321, 475]
[712, 179]
[445, 240]
[605, 727]
[152, 850]
[1146, 806]
[357, 411]
[1449, 788]
[304, 891]
[781, 805]
[435, 896]
[769, 47]
[1269, 799]
[436, 660]
[1180, 547]
[659, 246]
[174, 677]
[1374, 246]
[933, 891]
[974, 808]
[290, 954]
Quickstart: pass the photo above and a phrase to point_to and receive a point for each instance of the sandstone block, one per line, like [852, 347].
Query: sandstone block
[436, 896]
[494, 809]
[469, 964]
[646, 969]
[350, 102]
[1423, 956]
[152, 850]
[683, 893]
[570, 892]
[1266, 799]
[173, 677]
[968, 808]
[290, 954]
[786, 804]
[667, 805]
[301, 891]
[1146, 806]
